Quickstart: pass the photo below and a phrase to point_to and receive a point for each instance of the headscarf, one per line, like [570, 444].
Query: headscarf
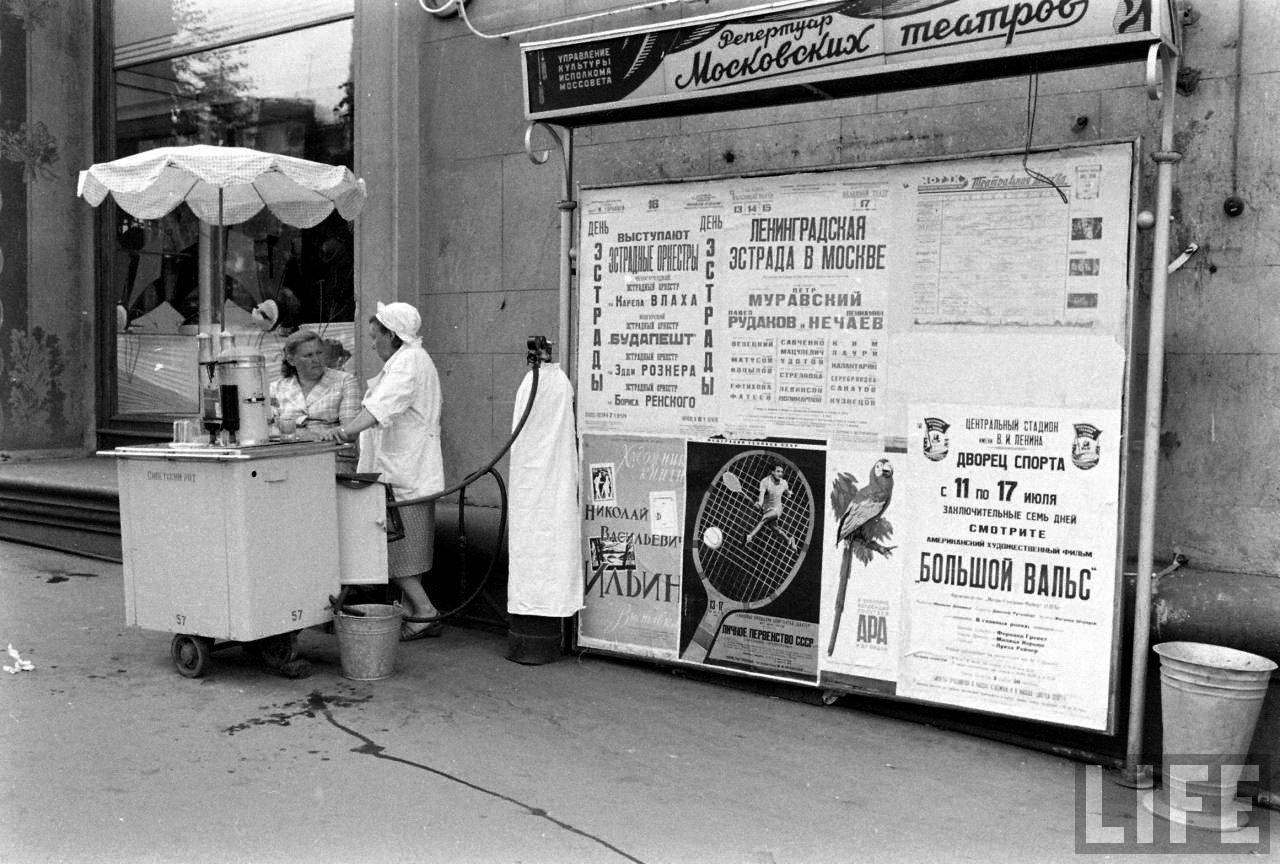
[401, 319]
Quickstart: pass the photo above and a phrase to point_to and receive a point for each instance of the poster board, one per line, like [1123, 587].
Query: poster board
[862, 429]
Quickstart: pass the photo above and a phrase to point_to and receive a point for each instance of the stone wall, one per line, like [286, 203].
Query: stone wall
[489, 233]
[46, 307]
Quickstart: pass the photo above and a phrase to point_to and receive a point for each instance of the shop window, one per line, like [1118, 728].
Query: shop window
[276, 79]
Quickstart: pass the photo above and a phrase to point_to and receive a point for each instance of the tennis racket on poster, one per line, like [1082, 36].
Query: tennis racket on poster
[745, 557]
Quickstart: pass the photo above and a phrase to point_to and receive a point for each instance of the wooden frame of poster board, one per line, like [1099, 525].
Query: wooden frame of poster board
[688, 289]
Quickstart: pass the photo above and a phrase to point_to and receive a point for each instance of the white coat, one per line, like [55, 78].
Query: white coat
[405, 445]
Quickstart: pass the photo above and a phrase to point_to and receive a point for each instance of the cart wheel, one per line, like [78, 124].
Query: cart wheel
[276, 651]
[190, 654]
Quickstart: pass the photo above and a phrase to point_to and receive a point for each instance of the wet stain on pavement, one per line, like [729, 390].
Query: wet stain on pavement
[319, 704]
[285, 714]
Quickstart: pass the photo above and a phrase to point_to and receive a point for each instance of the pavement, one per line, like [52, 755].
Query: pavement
[107, 754]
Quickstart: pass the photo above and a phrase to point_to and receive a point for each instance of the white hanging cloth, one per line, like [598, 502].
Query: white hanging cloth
[545, 522]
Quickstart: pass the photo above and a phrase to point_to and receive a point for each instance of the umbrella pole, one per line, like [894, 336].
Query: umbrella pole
[220, 291]
[210, 252]
[213, 278]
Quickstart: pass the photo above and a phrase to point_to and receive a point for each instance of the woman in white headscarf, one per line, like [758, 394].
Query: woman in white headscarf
[399, 430]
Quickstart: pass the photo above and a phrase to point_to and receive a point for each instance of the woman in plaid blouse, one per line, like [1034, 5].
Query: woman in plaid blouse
[309, 392]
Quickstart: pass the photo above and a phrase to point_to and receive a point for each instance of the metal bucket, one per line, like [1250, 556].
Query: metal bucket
[367, 642]
[1210, 700]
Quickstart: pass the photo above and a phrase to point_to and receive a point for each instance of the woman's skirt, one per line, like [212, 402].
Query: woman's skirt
[415, 552]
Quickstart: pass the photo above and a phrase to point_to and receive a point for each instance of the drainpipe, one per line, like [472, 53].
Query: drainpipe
[1159, 61]
[563, 138]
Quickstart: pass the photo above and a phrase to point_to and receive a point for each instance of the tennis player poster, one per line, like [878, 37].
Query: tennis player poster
[632, 492]
[752, 570]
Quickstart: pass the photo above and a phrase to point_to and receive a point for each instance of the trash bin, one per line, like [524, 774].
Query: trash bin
[1210, 700]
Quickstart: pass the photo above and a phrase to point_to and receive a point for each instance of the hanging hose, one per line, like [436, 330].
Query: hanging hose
[539, 352]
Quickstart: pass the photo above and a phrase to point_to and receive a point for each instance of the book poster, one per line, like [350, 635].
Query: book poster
[633, 495]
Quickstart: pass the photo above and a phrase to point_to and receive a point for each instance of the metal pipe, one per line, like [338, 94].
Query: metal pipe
[1135, 773]
[566, 205]
[460, 7]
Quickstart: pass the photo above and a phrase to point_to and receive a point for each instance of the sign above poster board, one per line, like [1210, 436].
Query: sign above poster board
[788, 52]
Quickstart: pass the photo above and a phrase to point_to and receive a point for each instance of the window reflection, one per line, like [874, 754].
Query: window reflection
[307, 274]
[289, 93]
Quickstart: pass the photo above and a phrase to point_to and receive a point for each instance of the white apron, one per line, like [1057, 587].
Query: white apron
[545, 522]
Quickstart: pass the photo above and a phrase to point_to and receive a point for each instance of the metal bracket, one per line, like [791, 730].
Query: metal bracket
[1155, 72]
[447, 9]
[1176, 263]
[541, 156]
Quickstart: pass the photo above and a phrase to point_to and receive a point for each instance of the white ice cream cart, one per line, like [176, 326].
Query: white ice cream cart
[242, 544]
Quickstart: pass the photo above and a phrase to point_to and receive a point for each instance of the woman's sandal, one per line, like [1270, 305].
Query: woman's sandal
[410, 631]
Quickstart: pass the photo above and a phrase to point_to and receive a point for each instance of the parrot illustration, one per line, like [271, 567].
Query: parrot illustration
[862, 525]
[865, 508]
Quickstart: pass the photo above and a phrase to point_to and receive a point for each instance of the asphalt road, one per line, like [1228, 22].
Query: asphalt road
[108, 755]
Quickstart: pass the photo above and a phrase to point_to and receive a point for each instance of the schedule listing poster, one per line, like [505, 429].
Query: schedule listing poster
[740, 307]
[1011, 550]
[775, 306]
[633, 494]
[752, 565]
